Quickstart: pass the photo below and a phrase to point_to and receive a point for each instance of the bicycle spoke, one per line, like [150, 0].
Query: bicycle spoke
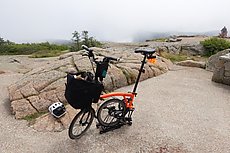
[112, 120]
[110, 112]
[106, 118]
[81, 123]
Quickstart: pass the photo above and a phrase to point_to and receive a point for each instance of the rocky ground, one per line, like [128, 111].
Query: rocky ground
[44, 85]
[180, 111]
[187, 45]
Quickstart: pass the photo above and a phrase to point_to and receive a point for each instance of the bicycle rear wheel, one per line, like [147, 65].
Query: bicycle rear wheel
[111, 112]
[81, 123]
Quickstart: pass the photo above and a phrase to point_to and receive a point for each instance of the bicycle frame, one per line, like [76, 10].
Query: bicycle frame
[128, 97]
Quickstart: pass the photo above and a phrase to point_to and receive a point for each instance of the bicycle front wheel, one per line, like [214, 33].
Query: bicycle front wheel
[111, 112]
[81, 123]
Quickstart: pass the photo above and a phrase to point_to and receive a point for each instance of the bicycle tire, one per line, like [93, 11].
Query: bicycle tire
[115, 112]
[79, 123]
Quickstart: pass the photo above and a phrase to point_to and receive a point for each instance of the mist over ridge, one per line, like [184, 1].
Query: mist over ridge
[119, 21]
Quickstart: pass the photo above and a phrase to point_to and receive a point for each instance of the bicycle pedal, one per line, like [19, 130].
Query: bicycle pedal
[130, 123]
[131, 109]
[101, 132]
[122, 122]
[129, 119]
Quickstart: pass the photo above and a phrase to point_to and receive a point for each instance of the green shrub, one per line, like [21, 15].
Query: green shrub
[214, 45]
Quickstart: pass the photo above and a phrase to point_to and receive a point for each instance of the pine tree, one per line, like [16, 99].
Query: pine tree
[2, 41]
[85, 38]
[77, 41]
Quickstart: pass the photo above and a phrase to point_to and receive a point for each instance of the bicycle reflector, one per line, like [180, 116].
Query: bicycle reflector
[152, 59]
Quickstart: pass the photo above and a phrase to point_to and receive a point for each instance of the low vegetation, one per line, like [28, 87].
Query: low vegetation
[214, 45]
[10, 48]
[47, 53]
[158, 40]
[174, 57]
[31, 118]
[39, 50]
[181, 57]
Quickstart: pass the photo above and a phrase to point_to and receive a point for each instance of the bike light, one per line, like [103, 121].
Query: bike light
[152, 59]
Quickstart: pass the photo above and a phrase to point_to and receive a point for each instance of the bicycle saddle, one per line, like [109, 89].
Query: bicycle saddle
[145, 51]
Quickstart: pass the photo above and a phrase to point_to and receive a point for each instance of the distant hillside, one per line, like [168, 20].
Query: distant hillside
[141, 37]
[59, 41]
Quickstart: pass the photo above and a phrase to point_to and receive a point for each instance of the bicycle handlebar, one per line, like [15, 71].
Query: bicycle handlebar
[86, 48]
[107, 59]
[90, 54]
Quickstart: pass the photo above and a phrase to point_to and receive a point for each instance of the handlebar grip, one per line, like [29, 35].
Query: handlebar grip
[108, 59]
[113, 59]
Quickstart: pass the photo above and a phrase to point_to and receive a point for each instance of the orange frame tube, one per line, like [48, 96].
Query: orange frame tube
[128, 103]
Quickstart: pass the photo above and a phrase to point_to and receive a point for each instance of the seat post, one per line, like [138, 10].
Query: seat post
[139, 74]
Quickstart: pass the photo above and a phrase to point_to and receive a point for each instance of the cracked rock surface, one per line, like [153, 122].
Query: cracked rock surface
[44, 85]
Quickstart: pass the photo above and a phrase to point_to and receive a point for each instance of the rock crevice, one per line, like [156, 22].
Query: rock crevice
[45, 85]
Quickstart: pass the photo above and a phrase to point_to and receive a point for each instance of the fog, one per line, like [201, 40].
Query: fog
[107, 20]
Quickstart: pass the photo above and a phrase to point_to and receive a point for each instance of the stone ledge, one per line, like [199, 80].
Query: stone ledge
[225, 57]
[221, 73]
[192, 63]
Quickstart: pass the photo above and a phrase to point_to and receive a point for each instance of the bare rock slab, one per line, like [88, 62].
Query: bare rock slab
[44, 85]
[192, 63]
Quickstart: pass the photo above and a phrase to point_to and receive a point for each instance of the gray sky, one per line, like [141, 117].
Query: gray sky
[113, 20]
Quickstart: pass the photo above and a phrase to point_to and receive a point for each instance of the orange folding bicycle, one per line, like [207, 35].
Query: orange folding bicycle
[114, 112]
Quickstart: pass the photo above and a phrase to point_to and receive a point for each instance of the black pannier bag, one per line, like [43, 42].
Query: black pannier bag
[82, 93]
